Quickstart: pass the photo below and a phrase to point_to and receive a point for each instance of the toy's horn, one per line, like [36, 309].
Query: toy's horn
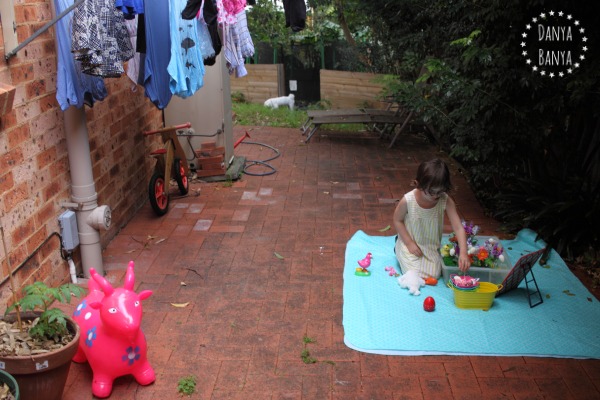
[129, 277]
[102, 282]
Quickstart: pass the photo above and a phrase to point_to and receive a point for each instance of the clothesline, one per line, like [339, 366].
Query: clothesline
[43, 29]
[169, 51]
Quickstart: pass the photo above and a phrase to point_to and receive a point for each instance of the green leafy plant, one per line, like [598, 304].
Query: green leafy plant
[187, 385]
[52, 322]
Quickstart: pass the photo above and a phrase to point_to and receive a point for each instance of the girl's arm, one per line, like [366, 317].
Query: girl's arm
[399, 215]
[459, 231]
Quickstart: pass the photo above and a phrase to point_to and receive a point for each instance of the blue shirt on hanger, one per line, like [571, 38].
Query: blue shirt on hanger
[73, 88]
[158, 53]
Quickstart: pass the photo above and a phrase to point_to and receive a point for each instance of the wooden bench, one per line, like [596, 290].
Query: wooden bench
[378, 120]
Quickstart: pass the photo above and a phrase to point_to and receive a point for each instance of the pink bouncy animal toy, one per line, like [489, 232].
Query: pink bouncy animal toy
[111, 338]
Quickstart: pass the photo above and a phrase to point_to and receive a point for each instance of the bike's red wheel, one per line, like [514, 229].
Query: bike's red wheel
[158, 192]
[180, 177]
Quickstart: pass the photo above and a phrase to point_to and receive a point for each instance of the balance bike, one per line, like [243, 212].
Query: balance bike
[170, 162]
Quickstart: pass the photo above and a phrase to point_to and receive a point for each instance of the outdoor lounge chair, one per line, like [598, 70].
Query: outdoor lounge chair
[383, 121]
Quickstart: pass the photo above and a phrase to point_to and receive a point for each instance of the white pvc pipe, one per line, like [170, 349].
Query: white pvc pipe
[72, 270]
[83, 190]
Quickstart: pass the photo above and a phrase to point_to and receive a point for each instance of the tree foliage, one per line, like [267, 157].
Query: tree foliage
[529, 142]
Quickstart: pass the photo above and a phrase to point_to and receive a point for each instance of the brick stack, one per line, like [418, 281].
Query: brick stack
[211, 160]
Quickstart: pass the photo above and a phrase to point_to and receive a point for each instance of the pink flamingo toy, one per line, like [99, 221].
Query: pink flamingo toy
[111, 338]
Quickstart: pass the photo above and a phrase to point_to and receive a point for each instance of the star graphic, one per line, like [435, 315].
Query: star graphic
[584, 48]
[528, 61]
[584, 39]
[576, 65]
[576, 22]
[560, 13]
[524, 34]
[524, 53]
[534, 20]
[569, 70]
[569, 17]
[551, 13]
[535, 68]
[581, 30]
[561, 74]
[582, 57]
[528, 26]
[543, 15]
[542, 73]
[522, 44]
[551, 75]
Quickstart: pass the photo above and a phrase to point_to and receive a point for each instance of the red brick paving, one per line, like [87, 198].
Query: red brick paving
[242, 333]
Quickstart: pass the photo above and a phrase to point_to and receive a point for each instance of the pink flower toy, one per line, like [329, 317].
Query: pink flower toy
[111, 338]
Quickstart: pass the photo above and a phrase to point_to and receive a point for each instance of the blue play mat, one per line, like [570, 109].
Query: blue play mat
[380, 317]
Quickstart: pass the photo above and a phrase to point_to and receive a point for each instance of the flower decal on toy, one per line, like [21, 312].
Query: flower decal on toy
[132, 354]
[90, 337]
[80, 308]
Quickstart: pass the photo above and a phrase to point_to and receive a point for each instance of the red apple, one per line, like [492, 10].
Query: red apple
[429, 304]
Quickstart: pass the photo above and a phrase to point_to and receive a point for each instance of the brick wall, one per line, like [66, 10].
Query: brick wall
[34, 167]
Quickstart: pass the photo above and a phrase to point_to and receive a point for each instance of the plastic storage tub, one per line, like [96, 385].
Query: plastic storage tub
[493, 275]
[481, 298]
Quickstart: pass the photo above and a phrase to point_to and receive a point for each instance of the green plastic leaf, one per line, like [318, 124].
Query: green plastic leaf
[276, 254]
[387, 228]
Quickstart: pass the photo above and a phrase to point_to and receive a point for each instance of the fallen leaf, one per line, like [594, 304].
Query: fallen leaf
[180, 305]
[547, 266]
[387, 228]
[276, 254]
[160, 241]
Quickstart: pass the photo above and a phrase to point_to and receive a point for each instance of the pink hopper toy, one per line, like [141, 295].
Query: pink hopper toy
[111, 338]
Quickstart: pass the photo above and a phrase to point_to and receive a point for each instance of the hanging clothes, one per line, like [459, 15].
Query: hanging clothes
[73, 88]
[130, 8]
[295, 14]
[209, 15]
[205, 41]
[158, 53]
[186, 67]
[191, 9]
[100, 39]
[238, 44]
[133, 65]
[243, 34]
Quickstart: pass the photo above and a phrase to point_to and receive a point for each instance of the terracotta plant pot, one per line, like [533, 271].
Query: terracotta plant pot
[42, 376]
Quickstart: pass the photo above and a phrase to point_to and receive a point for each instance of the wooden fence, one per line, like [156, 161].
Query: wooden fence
[342, 89]
[263, 82]
[351, 89]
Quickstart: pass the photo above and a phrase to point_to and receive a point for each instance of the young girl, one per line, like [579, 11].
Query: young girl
[419, 218]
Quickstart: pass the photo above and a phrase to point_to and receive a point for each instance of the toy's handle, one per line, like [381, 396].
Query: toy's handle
[168, 128]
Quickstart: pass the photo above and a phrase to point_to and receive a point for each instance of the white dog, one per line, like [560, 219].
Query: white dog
[412, 281]
[276, 102]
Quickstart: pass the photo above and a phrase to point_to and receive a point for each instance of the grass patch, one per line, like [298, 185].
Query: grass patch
[252, 114]
[187, 385]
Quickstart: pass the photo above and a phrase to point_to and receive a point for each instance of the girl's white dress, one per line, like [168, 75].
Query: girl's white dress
[425, 226]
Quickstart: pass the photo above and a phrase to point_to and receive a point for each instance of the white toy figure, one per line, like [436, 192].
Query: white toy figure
[277, 102]
[411, 281]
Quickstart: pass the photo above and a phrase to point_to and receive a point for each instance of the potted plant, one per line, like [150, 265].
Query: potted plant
[9, 389]
[41, 340]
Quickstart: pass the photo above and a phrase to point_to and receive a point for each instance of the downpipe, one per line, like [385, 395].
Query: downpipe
[83, 192]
